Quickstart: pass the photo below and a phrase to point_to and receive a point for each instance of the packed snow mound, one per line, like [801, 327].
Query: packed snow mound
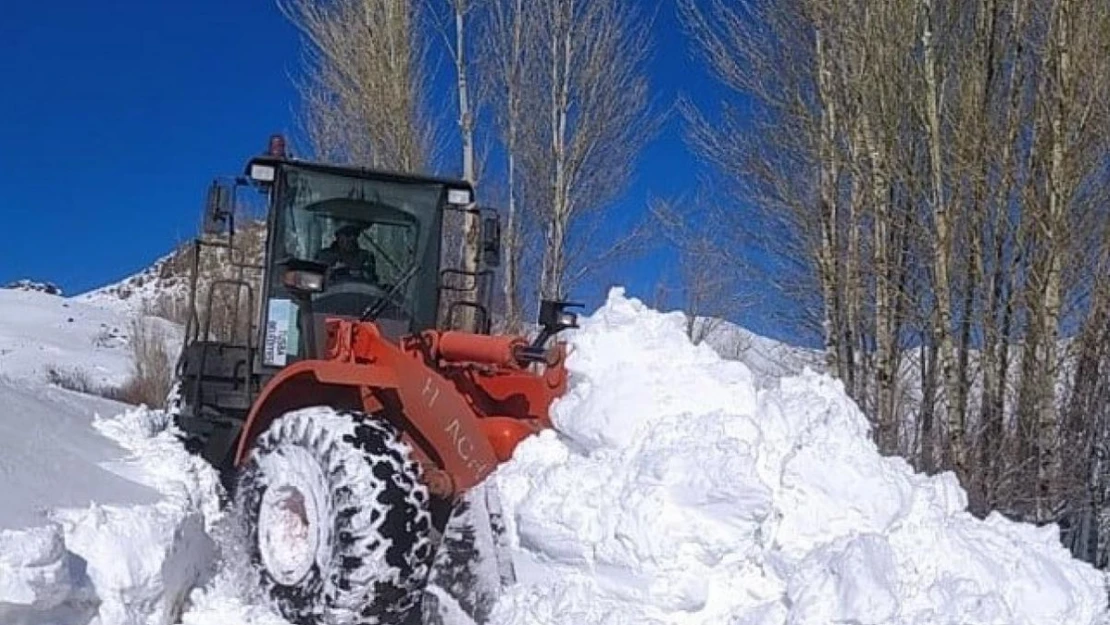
[676, 492]
[121, 559]
[51, 456]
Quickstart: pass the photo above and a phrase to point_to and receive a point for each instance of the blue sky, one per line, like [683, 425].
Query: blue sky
[116, 115]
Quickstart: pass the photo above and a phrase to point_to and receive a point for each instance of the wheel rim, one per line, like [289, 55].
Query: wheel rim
[290, 531]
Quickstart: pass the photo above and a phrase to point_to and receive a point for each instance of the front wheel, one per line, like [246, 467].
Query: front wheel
[337, 519]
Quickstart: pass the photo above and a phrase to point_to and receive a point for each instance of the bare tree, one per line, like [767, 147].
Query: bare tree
[937, 168]
[767, 148]
[710, 275]
[362, 84]
[508, 67]
[596, 117]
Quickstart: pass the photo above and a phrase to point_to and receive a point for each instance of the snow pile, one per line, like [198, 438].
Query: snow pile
[677, 492]
[123, 558]
[51, 457]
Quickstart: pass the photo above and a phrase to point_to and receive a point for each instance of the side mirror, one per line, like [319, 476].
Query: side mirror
[491, 241]
[217, 208]
[553, 319]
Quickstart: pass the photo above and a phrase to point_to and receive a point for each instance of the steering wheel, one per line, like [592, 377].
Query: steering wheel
[342, 272]
[346, 291]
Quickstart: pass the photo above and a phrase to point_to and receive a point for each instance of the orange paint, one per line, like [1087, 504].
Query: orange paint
[478, 348]
[463, 401]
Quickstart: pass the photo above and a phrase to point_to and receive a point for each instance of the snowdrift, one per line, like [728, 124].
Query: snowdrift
[124, 559]
[676, 492]
[103, 515]
[679, 489]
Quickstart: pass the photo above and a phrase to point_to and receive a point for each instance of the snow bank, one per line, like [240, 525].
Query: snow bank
[115, 560]
[51, 457]
[677, 492]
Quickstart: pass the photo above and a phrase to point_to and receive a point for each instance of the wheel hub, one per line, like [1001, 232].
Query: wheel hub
[290, 531]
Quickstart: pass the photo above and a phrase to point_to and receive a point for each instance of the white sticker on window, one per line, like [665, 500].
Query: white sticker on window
[276, 347]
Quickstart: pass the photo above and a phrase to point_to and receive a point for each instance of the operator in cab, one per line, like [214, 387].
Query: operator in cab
[346, 259]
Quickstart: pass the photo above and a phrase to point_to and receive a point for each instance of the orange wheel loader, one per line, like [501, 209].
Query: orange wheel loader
[350, 392]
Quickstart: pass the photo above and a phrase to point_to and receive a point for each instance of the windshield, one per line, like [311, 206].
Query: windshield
[377, 241]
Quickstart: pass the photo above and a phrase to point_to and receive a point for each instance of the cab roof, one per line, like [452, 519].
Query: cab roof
[360, 172]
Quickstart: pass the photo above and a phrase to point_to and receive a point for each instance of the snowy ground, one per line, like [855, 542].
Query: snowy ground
[678, 490]
[39, 332]
[50, 455]
[102, 522]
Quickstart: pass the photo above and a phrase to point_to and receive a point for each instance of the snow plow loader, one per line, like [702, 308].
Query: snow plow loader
[361, 397]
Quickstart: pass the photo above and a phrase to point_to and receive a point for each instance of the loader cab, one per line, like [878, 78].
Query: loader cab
[338, 242]
[353, 244]
[359, 243]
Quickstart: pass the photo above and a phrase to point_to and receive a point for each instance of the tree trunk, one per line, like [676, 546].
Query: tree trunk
[554, 262]
[512, 243]
[885, 272]
[827, 243]
[942, 328]
[471, 233]
[1048, 429]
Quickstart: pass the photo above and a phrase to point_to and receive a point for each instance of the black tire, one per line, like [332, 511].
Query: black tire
[173, 399]
[468, 565]
[367, 549]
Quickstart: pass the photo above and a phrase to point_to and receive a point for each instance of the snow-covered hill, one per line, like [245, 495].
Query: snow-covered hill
[166, 279]
[163, 288]
[680, 488]
[44, 337]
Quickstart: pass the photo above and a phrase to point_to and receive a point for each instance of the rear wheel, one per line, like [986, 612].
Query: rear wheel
[337, 519]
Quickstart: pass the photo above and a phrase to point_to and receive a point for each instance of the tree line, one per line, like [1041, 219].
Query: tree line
[939, 168]
[930, 177]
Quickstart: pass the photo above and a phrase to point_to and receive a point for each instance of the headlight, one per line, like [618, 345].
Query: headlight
[262, 173]
[305, 281]
[459, 197]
